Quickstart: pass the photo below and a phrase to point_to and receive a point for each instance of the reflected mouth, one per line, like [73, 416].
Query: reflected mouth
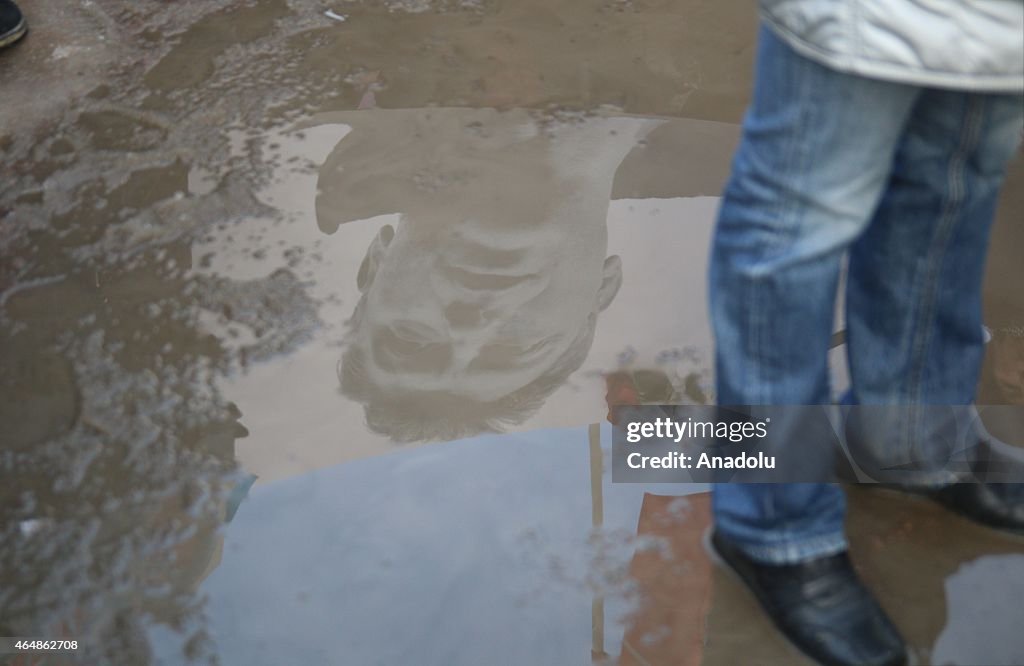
[483, 281]
[465, 251]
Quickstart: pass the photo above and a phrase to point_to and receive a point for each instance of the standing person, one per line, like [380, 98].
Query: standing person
[881, 128]
[12, 24]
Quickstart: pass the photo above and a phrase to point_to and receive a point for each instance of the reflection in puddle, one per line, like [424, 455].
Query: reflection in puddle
[983, 600]
[512, 342]
[476, 552]
[485, 297]
[223, 301]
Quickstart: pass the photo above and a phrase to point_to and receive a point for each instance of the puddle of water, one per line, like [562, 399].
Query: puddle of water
[235, 309]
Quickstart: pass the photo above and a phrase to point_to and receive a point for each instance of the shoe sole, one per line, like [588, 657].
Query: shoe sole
[720, 563]
[14, 34]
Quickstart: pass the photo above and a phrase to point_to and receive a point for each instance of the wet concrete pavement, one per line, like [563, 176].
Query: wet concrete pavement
[306, 325]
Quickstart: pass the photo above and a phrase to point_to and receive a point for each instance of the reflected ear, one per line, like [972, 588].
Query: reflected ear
[611, 280]
[374, 255]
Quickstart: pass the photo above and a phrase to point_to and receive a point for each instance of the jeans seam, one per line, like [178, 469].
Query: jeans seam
[952, 206]
[787, 208]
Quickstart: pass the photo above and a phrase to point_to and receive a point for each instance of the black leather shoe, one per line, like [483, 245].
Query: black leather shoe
[996, 505]
[985, 500]
[821, 606]
[12, 23]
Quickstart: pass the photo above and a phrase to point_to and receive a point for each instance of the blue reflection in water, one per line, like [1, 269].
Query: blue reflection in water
[471, 552]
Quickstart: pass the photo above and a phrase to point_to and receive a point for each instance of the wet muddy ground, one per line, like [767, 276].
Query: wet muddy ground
[307, 311]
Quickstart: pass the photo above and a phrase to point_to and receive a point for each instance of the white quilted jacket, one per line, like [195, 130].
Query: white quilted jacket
[962, 44]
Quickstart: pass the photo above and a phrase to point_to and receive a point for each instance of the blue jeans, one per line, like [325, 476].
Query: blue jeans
[904, 181]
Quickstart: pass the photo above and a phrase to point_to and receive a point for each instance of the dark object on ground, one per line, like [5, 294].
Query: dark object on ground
[12, 24]
[985, 501]
[821, 606]
[996, 505]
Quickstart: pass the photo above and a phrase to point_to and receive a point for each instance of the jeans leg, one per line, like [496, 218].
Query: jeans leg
[813, 162]
[781, 522]
[914, 320]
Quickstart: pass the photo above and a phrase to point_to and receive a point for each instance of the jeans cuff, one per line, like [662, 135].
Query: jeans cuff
[795, 551]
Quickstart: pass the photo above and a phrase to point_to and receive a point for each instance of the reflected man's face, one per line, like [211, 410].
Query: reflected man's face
[477, 310]
[485, 298]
